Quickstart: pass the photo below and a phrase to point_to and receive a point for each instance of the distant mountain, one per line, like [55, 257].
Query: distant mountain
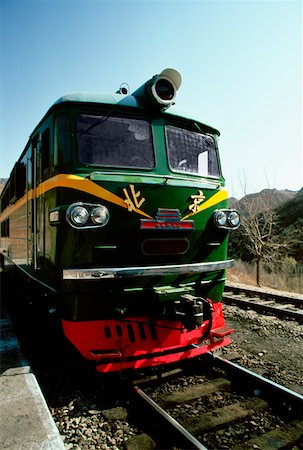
[260, 201]
[232, 202]
[2, 183]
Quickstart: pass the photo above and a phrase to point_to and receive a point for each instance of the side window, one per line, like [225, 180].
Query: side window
[5, 198]
[21, 178]
[62, 142]
[45, 149]
[5, 228]
[29, 168]
[13, 185]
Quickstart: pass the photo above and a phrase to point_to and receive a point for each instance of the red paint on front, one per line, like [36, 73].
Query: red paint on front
[138, 342]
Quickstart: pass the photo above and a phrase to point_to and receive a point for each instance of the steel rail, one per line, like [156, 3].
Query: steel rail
[262, 386]
[161, 424]
[169, 433]
[258, 306]
[295, 299]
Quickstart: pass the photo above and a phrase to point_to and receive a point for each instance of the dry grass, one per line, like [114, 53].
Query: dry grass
[288, 278]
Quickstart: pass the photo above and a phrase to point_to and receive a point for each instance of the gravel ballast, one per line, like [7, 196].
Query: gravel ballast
[265, 344]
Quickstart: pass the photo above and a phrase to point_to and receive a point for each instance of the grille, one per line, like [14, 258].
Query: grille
[132, 331]
[162, 246]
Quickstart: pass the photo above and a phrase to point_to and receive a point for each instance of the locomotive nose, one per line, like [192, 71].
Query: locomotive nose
[160, 91]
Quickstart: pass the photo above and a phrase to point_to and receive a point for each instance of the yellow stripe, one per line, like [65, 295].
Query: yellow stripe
[80, 184]
[71, 182]
[83, 184]
[216, 198]
[12, 208]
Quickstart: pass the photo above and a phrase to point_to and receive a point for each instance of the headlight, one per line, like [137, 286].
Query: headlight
[87, 215]
[100, 215]
[234, 219]
[220, 218]
[228, 219]
[79, 215]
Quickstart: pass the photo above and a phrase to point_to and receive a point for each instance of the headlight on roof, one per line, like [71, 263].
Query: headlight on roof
[228, 219]
[87, 215]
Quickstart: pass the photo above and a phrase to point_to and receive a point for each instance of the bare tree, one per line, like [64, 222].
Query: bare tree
[260, 224]
[257, 230]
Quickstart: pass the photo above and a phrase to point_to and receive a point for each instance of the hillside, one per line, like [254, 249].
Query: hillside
[291, 224]
[287, 222]
[292, 210]
[260, 201]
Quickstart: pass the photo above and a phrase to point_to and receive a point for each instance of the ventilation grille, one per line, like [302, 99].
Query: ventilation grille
[133, 331]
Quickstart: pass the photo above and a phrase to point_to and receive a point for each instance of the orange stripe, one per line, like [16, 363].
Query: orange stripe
[72, 182]
[216, 198]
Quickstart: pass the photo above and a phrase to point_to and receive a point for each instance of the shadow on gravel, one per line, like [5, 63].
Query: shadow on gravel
[63, 375]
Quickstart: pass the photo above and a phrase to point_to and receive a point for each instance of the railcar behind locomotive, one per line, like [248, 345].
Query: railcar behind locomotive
[117, 211]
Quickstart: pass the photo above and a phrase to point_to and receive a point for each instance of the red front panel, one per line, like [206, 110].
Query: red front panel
[138, 342]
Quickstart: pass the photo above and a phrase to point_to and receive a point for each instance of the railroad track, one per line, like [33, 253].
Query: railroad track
[227, 407]
[284, 306]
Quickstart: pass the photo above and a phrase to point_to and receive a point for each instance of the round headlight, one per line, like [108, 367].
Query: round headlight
[100, 215]
[234, 219]
[79, 215]
[221, 218]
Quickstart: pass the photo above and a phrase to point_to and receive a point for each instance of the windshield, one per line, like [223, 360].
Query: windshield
[192, 152]
[115, 142]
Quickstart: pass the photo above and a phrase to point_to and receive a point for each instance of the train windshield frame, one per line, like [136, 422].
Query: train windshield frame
[192, 152]
[114, 141]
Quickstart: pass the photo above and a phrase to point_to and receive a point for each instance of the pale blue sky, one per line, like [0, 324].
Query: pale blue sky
[241, 66]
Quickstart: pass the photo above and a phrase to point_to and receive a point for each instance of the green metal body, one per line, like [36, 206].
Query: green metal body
[46, 249]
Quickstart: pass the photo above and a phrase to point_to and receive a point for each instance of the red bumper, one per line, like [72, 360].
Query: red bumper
[138, 342]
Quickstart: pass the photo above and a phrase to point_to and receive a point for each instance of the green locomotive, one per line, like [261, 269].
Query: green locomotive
[117, 211]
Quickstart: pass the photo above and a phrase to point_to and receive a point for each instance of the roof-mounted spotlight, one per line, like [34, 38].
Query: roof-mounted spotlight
[161, 90]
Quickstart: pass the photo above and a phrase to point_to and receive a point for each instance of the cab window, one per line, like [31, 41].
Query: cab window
[191, 152]
[115, 142]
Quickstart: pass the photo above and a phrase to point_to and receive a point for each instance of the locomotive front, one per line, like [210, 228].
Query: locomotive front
[141, 230]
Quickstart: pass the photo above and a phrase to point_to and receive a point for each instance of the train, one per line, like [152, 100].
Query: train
[117, 214]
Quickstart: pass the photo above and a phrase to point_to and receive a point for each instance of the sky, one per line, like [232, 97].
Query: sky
[240, 61]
